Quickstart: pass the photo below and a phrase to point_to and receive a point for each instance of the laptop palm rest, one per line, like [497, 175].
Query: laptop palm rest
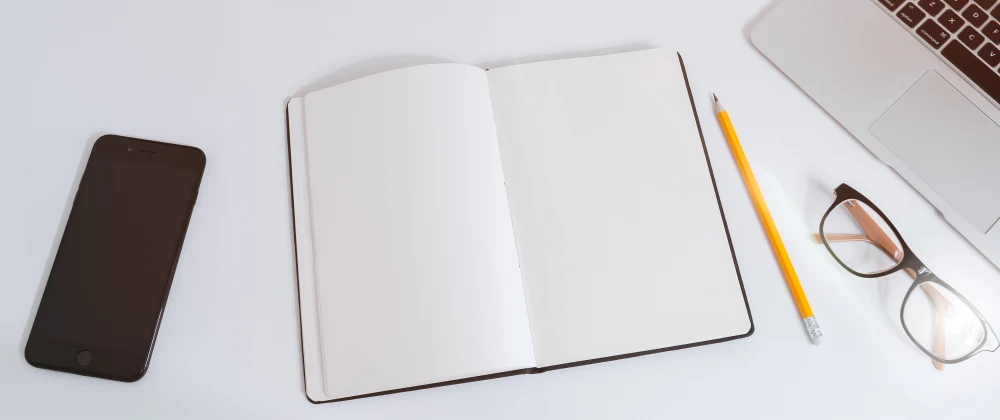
[950, 143]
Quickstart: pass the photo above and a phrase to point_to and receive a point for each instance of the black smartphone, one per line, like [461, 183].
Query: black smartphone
[105, 295]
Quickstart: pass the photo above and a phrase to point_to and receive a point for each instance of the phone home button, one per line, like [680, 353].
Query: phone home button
[83, 358]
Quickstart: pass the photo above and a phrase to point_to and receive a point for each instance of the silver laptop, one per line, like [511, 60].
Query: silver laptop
[917, 82]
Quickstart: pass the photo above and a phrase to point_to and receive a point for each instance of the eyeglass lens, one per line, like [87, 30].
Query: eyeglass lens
[941, 323]
[861, 239]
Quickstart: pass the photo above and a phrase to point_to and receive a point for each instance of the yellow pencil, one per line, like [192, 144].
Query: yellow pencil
[772, 232]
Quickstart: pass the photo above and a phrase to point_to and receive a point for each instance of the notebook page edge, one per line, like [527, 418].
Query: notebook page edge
[312, 361]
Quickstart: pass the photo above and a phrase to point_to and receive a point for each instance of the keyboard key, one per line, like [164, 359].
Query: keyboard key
[990, 54]
[933, 33]
[911, 15]
[957, 4]
[996, 13]
[951, 20]
[933, 7]
[987, 4]
[971, 37]
[967, 62]
[892, 5]
[992, 31]
[976, 16]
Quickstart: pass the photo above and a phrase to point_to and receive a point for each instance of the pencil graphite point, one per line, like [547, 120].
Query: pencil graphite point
[718, 105]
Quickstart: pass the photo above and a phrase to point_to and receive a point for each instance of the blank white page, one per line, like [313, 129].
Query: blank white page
[415, 263]
[619, 231]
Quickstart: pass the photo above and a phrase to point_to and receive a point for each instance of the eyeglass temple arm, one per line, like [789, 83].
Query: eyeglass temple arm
[843, 237]
[942, 305]
[874, 232]
[877, 237]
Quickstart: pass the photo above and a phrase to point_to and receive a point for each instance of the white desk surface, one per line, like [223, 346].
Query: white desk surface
[216, 74]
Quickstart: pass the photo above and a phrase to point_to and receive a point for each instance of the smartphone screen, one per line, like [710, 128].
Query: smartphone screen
[103, 302]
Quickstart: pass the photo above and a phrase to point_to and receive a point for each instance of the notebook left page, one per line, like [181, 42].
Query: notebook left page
[412, 247]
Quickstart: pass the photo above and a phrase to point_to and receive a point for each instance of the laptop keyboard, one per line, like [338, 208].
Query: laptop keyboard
[964, 32]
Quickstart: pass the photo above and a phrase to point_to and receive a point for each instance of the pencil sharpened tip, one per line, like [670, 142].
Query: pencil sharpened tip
[717, 105]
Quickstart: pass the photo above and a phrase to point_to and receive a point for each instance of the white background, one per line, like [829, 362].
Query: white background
[217, 74]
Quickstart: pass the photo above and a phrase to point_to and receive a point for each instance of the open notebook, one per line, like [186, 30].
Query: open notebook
[456, 224]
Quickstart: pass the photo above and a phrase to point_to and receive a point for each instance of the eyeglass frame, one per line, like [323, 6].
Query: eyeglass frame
[909, 261]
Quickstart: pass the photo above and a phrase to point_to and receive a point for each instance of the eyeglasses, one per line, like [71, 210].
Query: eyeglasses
[939, 320]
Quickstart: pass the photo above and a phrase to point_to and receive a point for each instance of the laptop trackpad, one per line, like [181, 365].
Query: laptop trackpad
[952, 145]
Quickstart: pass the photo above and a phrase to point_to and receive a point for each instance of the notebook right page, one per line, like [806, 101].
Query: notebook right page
[620, 236]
